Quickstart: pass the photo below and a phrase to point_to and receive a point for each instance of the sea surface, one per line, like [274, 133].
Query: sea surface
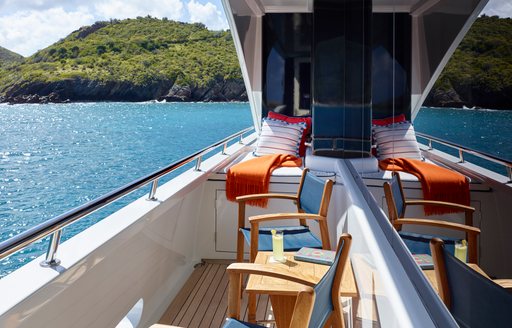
[56, 157]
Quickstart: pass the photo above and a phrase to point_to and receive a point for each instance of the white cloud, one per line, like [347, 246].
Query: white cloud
[29, 25]
[208, 14]
[502, 8]
[25, 32]
[172, 9]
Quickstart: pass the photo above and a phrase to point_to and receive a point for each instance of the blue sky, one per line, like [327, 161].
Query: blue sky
[29, 25]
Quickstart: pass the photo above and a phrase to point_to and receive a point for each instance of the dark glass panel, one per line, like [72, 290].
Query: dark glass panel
[391, 56]
[342, 78]
[286, 58]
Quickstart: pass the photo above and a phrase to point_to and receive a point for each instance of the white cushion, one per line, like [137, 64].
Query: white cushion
[278, 137]
[396, 140]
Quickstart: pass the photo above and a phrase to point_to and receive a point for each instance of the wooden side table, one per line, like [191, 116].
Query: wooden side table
[283, 294]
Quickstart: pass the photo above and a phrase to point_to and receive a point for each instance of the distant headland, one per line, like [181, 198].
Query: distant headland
[127, 60]
[147, 58]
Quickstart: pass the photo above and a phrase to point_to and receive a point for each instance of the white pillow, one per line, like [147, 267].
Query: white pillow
[396, 140]
[279, 137]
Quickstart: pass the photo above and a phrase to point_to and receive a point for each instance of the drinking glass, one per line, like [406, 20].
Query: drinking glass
[277, 245]
[461, 250]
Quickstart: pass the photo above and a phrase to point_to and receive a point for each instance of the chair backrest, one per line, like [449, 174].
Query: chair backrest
[395, 197]
[473, 300]
[327, 290]
[314, 194]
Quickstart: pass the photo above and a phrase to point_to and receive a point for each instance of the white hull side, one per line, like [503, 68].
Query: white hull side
[146, 250]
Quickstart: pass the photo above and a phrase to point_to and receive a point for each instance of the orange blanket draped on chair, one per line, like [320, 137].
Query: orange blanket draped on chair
[253, 176]
[437, 182]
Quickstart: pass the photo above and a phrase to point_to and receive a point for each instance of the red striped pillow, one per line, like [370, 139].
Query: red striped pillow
[389, 120]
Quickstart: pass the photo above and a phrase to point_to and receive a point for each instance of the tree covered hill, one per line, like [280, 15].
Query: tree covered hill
[132, 60]
[7, 56]
[480, 71]
[148, 58]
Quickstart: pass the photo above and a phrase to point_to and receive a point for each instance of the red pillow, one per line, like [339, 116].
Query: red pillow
[295, 119]
[389, 120]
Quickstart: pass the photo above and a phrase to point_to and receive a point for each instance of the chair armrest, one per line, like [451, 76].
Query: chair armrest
[258, 196]
[285, 216]
[438, 223]
[439, 203]
[505, 283]
[272, 271]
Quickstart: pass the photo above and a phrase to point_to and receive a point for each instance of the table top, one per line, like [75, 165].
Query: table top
[269, 285]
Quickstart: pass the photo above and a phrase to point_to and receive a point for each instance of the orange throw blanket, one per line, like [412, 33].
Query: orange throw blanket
[253, 176]
[437, 182]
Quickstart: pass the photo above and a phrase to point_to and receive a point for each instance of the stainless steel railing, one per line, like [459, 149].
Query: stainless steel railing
[462, 150]
[55, 225]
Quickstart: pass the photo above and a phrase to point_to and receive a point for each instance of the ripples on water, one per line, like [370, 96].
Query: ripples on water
[56, 157]
[489, 131]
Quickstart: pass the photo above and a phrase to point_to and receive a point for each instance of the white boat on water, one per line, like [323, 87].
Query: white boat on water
[298, 57]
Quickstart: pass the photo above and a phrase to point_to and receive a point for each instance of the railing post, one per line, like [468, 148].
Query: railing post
[152, 192]
[241, 139]
[198, 163]
[430, 144]
[51, 261]
[509, 173]
[461, 156]
[224, 148]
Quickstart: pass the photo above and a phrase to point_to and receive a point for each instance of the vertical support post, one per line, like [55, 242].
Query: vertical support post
[461, 156]
[198, 163]
[509, 173]
[241, 139]
[51, 261]
[152, 192]
[224, 148]
[430, 144]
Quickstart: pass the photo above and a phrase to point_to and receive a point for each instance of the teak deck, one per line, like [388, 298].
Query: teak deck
[202, 302]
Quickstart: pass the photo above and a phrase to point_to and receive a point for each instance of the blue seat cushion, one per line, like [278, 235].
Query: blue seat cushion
[295, 237]
[233, 323]
[420, 244]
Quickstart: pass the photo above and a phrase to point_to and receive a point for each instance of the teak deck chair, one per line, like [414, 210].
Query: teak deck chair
[418, 243]
[312, 200]
[316, 303]
[473, 300]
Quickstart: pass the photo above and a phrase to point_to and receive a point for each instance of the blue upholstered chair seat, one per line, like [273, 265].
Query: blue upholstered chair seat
[420, 243]
[295, 237]
[233, 323]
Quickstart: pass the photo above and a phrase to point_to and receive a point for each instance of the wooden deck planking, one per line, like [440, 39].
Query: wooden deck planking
[202, 302]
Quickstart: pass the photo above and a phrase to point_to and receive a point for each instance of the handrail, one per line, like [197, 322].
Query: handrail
[56, 224]
[463, 149]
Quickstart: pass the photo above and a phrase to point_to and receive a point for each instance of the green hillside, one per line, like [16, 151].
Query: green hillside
[137, 52]
[480, 71]
[7, 56]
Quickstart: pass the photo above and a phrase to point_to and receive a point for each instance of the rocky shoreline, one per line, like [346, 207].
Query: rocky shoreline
[80, 90]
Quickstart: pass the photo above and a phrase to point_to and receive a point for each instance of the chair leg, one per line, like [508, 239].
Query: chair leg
[240, 247]
[254, 240]
[251, 307]
[240, 237]
[324, 234]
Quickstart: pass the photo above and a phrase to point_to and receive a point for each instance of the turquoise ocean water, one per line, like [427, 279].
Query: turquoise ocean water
[56, 157]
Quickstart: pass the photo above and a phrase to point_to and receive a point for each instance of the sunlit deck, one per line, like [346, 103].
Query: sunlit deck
[202, 302]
